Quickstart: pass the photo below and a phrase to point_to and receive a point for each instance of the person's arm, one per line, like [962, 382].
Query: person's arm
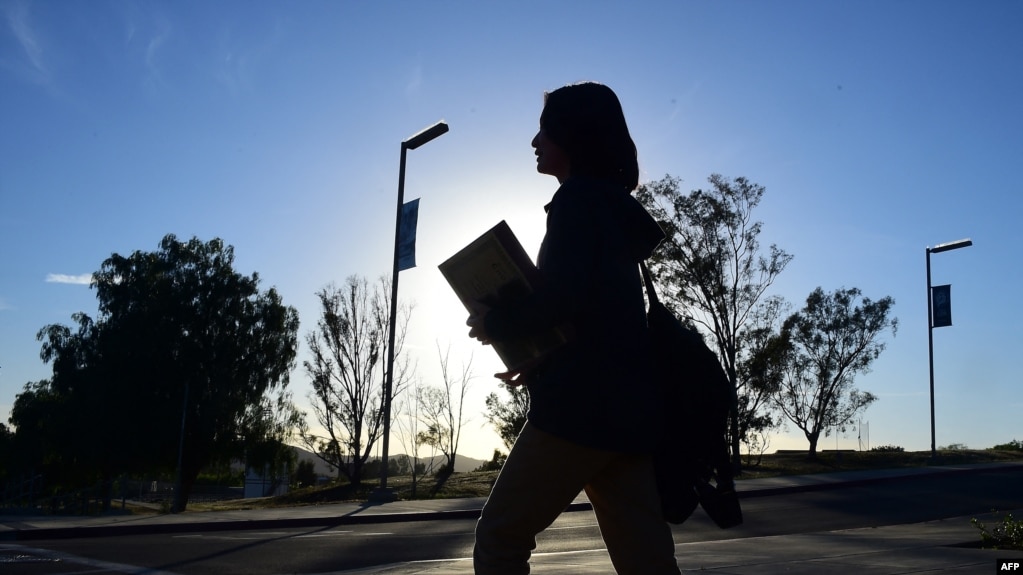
[569, 261]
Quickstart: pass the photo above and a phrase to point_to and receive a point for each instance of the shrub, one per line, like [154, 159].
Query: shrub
[888, 449]
[1014, 445]
[305, 473]
[954, 447]
[495, 463]
[1007, 535]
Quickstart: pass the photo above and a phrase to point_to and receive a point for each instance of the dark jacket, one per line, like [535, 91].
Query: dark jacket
[596, 390]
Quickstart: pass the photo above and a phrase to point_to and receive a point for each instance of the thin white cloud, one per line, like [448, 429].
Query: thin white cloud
[83, 279]
[415, 83]
[238, 58]
[20, 22]
[4, 306]
[154, 53]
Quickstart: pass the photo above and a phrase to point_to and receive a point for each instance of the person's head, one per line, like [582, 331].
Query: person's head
[586, 124]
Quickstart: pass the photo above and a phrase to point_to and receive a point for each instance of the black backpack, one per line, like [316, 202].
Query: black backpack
[691, 461]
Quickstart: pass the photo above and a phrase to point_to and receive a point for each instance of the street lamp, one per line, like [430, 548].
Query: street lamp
[413, 142]
[930, 322]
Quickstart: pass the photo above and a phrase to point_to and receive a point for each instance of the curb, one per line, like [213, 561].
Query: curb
[83, 532]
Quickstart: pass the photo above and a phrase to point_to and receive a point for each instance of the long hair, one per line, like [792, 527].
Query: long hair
[587, 122]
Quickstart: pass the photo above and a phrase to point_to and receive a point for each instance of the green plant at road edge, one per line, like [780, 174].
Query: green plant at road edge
[1007, 535]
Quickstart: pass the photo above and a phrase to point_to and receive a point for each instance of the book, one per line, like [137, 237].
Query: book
[494, 269]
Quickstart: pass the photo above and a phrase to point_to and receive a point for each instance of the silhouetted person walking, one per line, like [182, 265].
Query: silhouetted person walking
[593, 413]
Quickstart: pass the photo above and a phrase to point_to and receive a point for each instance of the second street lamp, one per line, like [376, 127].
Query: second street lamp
[930, 323]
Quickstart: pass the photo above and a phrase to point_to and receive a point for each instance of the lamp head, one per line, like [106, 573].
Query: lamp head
[950, 246]
[425, 136]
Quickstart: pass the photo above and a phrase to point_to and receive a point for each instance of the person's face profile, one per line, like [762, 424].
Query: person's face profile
[550, 158]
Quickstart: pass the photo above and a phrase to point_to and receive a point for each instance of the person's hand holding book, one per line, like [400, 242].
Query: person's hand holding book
[476, 322]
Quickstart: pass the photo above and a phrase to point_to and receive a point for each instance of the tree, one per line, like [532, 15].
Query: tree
[442, 411]
[347, 370]
[496, 462]
[508, 417]
[831, 340]
[8, 468]
[712, 272]
[762, 369]
[61, 428]
[35, 440]
[6, 450]
[36, 464]
[271, 427]
[184, 352]
[407, 423]
[74, 428]
[305, 474]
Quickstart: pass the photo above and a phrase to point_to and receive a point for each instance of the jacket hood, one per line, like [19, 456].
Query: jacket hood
[641, 230]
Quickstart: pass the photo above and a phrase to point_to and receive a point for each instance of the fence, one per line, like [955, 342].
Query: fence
[32, 495]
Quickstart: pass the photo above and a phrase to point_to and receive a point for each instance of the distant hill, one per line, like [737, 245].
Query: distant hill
[462, 463]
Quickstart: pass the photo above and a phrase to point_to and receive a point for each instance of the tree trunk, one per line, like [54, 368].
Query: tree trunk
[812, 452]
[181, 494]
[355, 472]
[106, 490]
[733, 431]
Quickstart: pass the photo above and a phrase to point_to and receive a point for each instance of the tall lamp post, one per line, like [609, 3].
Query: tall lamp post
[930, 322]
[413, 142]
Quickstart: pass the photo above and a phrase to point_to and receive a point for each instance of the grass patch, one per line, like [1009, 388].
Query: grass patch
[797, 463]
[478, 483]
[457, 485]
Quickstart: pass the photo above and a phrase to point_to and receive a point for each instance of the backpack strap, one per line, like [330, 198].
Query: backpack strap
[651, 293]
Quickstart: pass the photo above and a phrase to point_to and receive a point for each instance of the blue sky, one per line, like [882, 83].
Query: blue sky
[878, 128]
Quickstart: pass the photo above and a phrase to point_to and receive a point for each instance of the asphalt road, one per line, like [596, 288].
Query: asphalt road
[324, 550]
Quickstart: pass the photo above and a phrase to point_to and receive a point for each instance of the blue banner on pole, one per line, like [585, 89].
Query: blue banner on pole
[941, 306]
[407, 235]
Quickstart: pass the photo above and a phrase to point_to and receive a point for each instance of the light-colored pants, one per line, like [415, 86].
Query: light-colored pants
[542, 476]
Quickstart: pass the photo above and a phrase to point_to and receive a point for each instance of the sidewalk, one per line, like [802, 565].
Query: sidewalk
[929, 547]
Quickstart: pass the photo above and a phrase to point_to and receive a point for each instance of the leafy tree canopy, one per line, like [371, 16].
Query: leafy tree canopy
[508, 417]
[349, 349]
[712, 271]
[832, 339]
[186, 357]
